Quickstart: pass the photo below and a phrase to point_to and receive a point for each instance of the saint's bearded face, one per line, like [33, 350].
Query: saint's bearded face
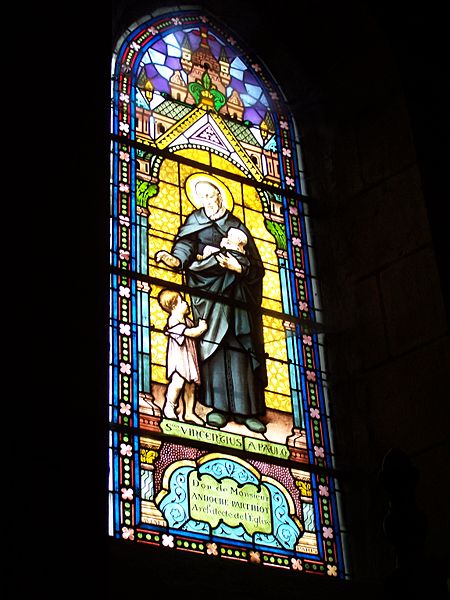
[211, 199]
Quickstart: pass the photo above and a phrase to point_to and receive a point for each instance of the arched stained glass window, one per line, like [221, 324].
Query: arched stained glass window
[220, 439]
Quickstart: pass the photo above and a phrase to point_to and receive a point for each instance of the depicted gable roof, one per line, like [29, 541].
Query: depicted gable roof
[242, 133]
[173, 110]
[209, 129]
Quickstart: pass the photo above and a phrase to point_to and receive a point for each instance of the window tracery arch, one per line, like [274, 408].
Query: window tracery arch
[253, 478]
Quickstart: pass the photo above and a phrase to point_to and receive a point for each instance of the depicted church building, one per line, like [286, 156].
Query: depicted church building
[204, 81]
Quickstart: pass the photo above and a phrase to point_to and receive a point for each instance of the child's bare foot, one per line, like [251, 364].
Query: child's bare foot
[169, 411]
[193, 418]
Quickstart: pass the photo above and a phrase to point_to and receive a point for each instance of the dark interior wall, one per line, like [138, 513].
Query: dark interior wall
[368, 92]
[388, 353]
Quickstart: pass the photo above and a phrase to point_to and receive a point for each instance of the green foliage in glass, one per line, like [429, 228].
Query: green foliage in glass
[279, 233]
[205, 93]
[145, 190]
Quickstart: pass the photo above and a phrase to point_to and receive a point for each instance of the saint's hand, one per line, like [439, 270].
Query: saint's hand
[168, 259]
[228, 261]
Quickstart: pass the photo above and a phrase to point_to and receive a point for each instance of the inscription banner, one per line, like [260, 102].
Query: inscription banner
[224, 438]
[212, 501]
[228, 498]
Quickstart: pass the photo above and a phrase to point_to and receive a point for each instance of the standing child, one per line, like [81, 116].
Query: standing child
[182, 365]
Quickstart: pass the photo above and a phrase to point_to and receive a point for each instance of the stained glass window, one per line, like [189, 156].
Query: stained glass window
[220, 437]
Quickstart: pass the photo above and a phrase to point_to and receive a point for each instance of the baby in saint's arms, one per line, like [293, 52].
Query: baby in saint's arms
[235, 240]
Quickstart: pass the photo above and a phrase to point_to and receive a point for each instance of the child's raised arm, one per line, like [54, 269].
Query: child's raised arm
[196, 331]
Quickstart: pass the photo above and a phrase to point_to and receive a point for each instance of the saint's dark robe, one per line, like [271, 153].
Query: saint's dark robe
[231, 352]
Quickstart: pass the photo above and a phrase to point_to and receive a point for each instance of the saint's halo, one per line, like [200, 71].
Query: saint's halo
[195, 178]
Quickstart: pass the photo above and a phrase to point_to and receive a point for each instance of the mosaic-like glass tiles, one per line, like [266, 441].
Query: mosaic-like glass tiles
[219, 429]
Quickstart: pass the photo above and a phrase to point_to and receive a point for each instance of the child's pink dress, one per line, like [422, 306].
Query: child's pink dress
[181, 352]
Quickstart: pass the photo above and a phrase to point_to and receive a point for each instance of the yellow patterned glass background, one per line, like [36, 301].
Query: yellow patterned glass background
[167, 210]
